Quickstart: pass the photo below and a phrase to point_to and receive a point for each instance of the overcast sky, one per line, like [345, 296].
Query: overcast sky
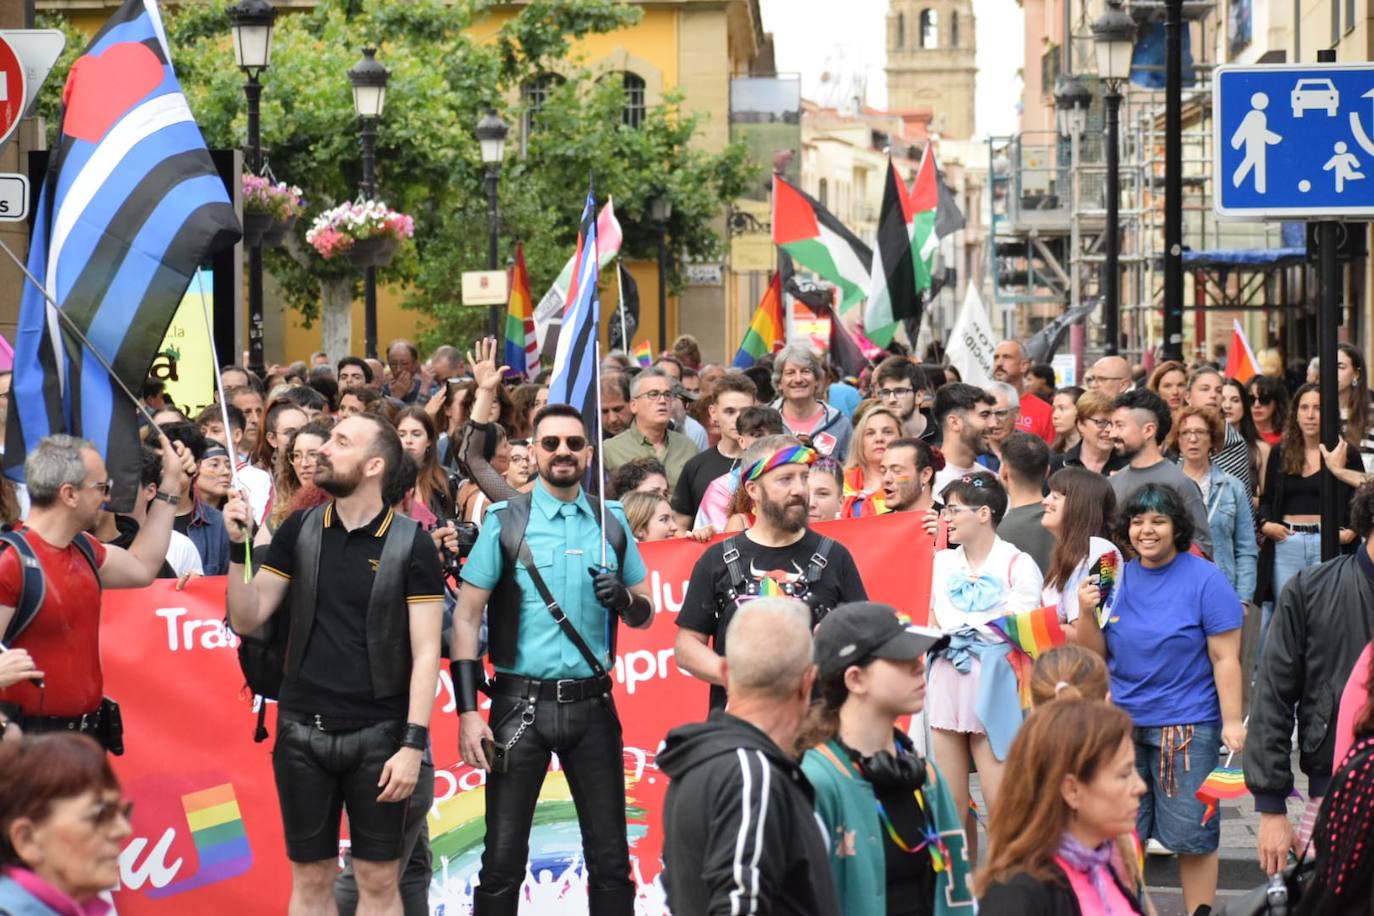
[848, 37]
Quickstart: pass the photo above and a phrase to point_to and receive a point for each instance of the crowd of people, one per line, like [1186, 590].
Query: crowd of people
[1153, 514]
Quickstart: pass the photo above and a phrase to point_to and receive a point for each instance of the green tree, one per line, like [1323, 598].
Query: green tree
[428, 162]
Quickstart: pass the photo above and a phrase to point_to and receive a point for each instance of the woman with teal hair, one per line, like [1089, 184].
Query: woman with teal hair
[1171, 604]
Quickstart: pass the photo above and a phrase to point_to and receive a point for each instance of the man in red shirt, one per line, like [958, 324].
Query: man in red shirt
[68, 485]
[1010, 363]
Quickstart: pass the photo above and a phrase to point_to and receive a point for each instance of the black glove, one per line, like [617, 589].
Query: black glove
[610, 591]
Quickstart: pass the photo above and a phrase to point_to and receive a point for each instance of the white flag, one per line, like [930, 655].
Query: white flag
[971, 342]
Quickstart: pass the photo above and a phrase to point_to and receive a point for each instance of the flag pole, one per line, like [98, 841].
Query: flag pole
[600, 437]
[620, 308]
[77, 333]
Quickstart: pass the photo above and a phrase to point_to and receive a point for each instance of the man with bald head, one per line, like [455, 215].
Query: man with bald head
[741, 834]
[1110, 377]
[1010, 364]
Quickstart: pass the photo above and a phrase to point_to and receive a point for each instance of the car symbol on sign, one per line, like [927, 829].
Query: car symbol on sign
[1315, 93]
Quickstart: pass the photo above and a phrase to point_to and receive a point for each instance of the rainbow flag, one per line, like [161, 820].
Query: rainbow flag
[1108, 571]
[219, 836]
[644, 354]
[522, 346]
[1221, 783]
[1033, 632]
[767, 332]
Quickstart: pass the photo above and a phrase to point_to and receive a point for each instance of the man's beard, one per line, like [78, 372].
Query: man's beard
[562, 472]
[1121, 449]
[976, 442]
[789, 516]
[328, 481]
[912, 495]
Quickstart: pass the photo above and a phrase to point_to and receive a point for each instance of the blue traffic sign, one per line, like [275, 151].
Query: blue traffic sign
[1293, 141]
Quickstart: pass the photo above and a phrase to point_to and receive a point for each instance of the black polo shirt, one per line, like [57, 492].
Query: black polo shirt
[334, 678]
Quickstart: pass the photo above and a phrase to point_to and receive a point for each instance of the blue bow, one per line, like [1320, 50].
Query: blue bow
[976, 594]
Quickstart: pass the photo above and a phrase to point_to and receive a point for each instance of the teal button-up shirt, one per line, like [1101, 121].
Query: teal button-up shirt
[564, 539]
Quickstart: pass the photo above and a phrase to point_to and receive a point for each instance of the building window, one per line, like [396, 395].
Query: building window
[1349, 16]
[1335, 21]
[930, 29]
[821, 193]
[954, 30]
[634, 99]
[534, 94]
[901, 30]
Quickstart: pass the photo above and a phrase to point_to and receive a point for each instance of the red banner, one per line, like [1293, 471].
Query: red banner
[207, 833]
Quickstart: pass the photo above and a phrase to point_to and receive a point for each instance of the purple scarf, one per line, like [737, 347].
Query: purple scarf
[1095, 863]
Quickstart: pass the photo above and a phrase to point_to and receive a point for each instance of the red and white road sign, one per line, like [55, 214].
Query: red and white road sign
[13, 90]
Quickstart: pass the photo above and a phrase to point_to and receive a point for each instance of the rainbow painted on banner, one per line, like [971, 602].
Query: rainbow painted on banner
[219, 836]
[1221, 783]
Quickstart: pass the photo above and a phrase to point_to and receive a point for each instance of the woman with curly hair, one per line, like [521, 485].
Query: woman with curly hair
[296, 473]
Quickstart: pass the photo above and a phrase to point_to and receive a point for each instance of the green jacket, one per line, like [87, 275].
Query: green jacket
[846, 805]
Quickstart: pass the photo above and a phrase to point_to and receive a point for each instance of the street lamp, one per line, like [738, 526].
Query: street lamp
[1173, 181]
[369, 78]
[660, 211]
[1114, 36]
[491, 137]
[1071, 103]
[251, 23]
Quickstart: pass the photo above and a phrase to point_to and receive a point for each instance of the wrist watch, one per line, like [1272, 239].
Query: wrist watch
[171, 499]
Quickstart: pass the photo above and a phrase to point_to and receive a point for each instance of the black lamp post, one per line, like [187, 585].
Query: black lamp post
[369, 99]
[1071, 103]
[491, 137]
[1173, 180]
[1114, 35]
[251, 23]
[660, 211]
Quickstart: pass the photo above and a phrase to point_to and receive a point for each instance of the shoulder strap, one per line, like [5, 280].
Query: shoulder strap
[83, 544]
[732, 565]
[515, 518]
[816, 567]
[564, 624]
[1011, 564]
[32, 587]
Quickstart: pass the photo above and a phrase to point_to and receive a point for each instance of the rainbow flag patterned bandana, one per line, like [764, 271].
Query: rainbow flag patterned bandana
[793, 454]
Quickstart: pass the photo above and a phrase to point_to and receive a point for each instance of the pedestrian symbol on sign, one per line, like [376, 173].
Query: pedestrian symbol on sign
[1255, 135]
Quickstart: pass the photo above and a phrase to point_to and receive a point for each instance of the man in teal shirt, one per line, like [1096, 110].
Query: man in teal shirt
[552, 690]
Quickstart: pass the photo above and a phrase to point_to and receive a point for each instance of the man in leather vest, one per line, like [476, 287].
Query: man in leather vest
[364, 592]
[551, 616]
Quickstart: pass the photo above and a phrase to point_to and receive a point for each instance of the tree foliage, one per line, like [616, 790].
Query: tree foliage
[448, 63]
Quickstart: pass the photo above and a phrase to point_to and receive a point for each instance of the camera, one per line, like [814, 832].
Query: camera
[467, 536]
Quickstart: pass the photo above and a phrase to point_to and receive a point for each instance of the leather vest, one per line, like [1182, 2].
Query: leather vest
[503, 607]
[388, 616]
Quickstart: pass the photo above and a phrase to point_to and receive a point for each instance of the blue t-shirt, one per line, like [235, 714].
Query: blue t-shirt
[1157, 640]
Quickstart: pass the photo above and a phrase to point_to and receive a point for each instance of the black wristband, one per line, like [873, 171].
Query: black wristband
[468, 677]
[415, 736]
[238, 552]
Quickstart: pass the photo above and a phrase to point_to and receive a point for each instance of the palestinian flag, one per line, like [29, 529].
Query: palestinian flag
[893, 294]
[819, 242]
[767, 332]
[922, 209]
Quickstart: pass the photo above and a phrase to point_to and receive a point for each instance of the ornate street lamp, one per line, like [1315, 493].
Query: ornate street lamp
[368, 78]
[491, 137]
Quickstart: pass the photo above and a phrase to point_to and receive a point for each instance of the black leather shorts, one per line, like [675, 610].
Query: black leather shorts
[320, 774]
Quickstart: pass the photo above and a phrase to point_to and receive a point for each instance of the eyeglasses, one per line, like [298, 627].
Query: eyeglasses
[951, 510]
[1103, 424]
[1193, 433]
[895, 392]
[104, 486]
[1098, 379]
[655, 395]
[551, 443]
[104, 814]
[1002, 414]
[299, 457]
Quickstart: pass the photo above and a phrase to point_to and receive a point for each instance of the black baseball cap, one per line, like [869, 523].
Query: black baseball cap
[859, 630]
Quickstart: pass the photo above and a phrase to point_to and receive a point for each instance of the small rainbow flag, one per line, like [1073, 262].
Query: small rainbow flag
[219, 836]
[1221, 783]
[1108, 570]
[1033, 632]
[644, 354]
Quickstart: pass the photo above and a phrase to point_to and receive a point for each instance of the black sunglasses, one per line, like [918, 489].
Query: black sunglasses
[551, 443]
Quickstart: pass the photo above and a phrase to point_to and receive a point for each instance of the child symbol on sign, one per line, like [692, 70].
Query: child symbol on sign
[1344, 164]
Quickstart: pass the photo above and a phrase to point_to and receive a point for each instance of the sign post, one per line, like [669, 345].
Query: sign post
[1297, 142]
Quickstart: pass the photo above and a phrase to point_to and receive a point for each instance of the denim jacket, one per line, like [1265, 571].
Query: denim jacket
[1235, 548]
[207, 532]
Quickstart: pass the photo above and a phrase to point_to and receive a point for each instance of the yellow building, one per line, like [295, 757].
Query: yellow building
[692, 46]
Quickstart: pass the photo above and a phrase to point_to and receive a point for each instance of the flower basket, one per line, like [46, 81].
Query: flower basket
[275, 234]
[255, 225]
[374, 252]
[367, 232]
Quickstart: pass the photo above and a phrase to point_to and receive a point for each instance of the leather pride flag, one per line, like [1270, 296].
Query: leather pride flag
[130, 208]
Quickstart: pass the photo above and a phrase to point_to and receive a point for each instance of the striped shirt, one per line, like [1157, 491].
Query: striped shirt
[1234, 459]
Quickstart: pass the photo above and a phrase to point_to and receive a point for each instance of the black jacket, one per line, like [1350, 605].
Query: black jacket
[1022, 895]
[740, 827]
[1323, 621]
